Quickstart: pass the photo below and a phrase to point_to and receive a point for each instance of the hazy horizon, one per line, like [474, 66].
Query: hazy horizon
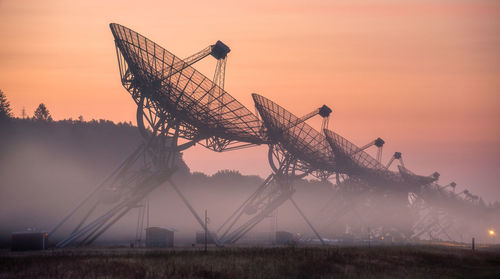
[422, 75]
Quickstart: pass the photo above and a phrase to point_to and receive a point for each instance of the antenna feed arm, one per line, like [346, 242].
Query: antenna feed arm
[219, 51]
[377, 142]
[323, 111]
[396, 156]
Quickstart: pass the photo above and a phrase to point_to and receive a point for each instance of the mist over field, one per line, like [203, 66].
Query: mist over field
[47, 168]
[250, 139]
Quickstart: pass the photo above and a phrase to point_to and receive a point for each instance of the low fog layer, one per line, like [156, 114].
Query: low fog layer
[47, 168]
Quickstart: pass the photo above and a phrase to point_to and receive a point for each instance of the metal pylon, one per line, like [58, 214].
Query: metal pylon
[276, 189]
[151, 165]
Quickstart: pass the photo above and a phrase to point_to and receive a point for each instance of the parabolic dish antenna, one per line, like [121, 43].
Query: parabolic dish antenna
[166, 87]
[174, 101]
[295, 151]
[354, 161]
[416, 179]
[295, 136]
[350, 158]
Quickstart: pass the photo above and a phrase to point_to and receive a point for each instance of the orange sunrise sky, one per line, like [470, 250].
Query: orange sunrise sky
[423, 75]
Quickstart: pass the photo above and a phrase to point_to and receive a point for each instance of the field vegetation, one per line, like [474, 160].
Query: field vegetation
[278, 262]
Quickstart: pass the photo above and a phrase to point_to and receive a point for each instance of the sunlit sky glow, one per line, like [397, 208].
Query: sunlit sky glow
[423, 75]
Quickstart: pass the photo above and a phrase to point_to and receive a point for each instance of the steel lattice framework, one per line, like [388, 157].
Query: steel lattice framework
[173, 89]
[295, 151]
[377, 178]
[349, 157]
[177, 103]
[354, 161]
[293, 135]
[435, 210]
[174, 101]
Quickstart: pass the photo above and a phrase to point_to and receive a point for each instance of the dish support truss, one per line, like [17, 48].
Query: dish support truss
[172, 88]
[286, 167]
[151, 165]
[435, 211]
[401, 189]
[446, 214]
[276, 189]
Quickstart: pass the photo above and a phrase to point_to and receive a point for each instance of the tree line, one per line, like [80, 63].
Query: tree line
[41, 113]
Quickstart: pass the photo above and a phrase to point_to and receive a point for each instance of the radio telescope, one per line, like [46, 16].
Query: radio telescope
[447, 214]
[295, 151]
[437, 211]
[177, 107]
[377, 181]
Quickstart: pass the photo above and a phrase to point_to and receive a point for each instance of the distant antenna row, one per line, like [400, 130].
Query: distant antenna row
[178, 107]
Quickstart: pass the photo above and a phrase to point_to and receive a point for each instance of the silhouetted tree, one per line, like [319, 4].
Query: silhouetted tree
[5, 110]
[227, 173]
[42, 113]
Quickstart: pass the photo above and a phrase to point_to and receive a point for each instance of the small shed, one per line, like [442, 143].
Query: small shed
[283, 237]
[29, 240]
[159, 237]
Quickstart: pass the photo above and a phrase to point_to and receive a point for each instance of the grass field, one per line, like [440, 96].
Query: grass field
[283, 262]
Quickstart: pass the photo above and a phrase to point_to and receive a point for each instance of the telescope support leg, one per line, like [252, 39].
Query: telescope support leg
[307, 221]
